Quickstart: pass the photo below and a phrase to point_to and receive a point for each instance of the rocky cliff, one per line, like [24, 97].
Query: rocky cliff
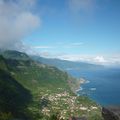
[111, 113]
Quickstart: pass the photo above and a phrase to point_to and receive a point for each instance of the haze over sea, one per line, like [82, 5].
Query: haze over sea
[103, 86]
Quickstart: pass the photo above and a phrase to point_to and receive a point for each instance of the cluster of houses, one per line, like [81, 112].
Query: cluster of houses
[66, 104]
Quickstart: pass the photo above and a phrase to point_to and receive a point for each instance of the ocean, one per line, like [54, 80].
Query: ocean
[102, 86]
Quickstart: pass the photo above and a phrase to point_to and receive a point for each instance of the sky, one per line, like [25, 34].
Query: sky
[76, 30]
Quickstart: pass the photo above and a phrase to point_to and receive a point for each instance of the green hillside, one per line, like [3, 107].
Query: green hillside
[14, 98]
[3, 64]
[12, 54]
[40, 92]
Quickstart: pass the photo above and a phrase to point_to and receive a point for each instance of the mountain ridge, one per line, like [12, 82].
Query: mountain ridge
[65, 64]
[13, 54]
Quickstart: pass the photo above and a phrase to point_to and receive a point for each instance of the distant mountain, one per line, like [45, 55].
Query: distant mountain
[67, 65]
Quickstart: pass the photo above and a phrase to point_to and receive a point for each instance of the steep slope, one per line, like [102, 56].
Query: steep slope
[19, 76]
[3, 64]
[50, 89]
[14, 98]
[32, 74]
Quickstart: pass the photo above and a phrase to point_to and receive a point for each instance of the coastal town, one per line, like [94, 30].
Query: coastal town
[66, 105]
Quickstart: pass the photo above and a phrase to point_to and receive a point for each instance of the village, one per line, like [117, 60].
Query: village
[66, 105]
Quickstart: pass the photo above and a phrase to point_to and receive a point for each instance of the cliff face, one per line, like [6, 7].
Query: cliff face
[111, 113]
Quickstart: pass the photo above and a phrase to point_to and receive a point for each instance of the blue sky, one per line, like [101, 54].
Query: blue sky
[76, 30]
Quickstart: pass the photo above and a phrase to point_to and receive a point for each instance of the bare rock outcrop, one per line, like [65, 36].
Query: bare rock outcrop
[111, 113]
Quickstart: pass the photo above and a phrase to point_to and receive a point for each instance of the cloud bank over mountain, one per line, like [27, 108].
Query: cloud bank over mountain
[111, 60]
[107, 60]
[16, 21]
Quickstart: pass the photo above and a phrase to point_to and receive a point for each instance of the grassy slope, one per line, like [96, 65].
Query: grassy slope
[14, 98]
[44, 81]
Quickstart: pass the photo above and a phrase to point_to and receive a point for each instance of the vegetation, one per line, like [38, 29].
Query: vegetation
[34, 91]
[12, 54]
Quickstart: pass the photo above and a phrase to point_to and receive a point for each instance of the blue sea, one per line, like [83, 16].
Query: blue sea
[103, 86]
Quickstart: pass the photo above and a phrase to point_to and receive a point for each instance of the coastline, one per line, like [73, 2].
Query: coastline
[80, 82]
[75, 84]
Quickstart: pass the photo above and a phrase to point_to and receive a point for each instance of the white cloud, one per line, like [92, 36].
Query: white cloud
[100, 59]
[73, 45]
[59, 46]
[16, 21]
[75, 57]
[43, 47]
[95, 59]
[77, 44]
